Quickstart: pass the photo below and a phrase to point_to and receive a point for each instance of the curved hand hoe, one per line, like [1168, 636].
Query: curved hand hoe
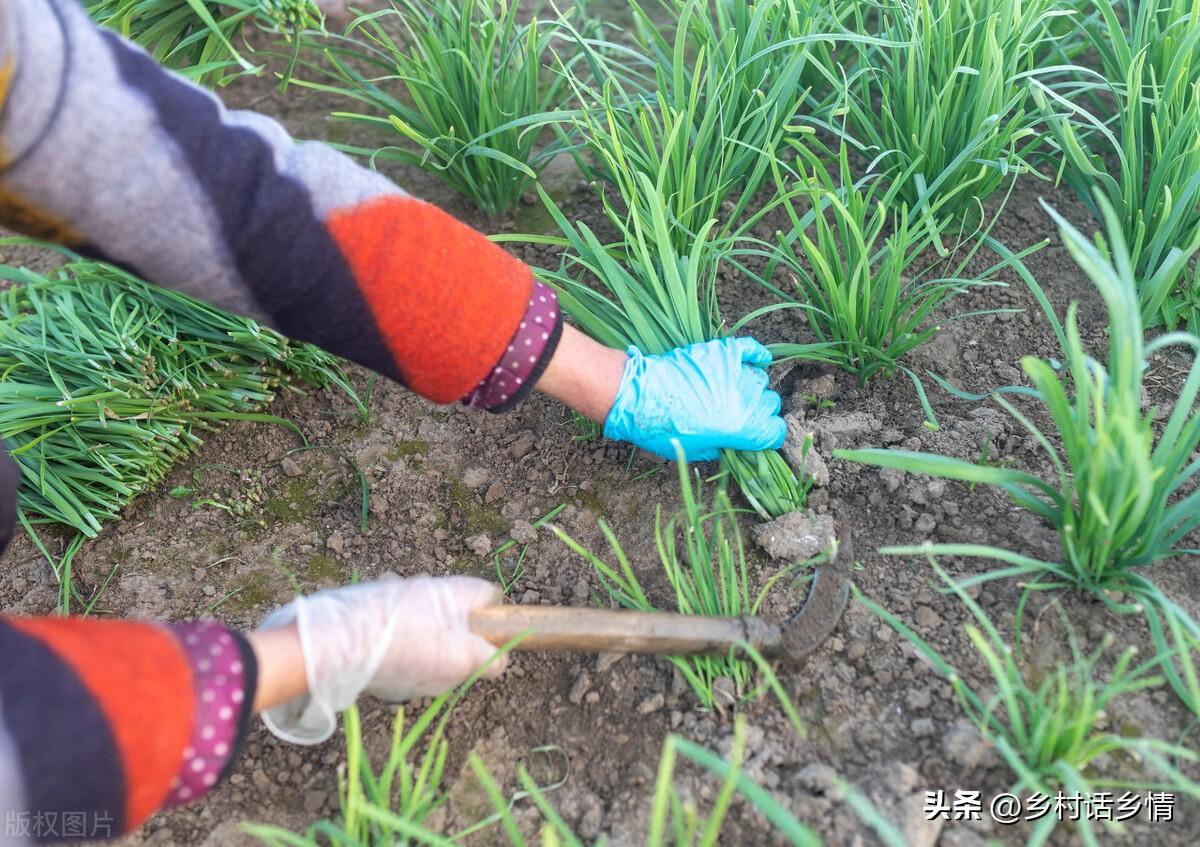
[617, 631]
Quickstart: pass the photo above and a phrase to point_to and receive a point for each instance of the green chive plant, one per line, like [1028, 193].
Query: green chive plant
[702, 105]
[777, 50]
[1161, 31]
[771, 32]
[1049, 726]
[393, 806]
[456, 88]
[674, 821]
[867, 274]
[373, 815]
[408, 786]
[1144, 158]
[196, 36]
[658, 298]
[108, 382]
[939, 101]
[384, 807]
[1122, 497]
[708, 573]
[701, 170]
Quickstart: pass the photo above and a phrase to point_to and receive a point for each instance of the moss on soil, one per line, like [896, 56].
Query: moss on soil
[256, 591]
[470, 566]
[320, 568]
[407, 448]
[295, 503]
[298, 500]
[592, 503]
[473, 516]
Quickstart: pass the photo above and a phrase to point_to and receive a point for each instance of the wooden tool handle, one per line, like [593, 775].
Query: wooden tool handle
[610, 631]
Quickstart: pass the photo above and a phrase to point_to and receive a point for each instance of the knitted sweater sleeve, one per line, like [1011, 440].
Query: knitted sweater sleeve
[106, 152]
[102, 723]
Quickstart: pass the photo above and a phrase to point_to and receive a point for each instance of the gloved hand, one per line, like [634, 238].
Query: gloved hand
[395, 639]
[708, 395]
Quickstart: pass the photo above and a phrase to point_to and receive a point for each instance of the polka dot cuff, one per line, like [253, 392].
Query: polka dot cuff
[528, 353]
[224, 678]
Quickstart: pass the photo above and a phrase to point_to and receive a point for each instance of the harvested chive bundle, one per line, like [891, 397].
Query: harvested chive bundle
[106, 380]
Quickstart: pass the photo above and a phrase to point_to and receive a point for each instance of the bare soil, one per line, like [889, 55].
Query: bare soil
[876, 714]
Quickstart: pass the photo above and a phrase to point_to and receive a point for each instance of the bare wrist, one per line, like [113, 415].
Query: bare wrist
[584, 374]
[281, 673]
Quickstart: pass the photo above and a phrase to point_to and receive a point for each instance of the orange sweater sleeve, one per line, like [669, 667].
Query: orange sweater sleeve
[107, 719]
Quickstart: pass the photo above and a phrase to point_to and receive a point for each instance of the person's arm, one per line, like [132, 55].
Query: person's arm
[104, 151]
[102, 723]
[106, 722]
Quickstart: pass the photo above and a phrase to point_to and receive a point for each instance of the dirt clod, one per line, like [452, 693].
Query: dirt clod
[474, 477]
[963, 744]
[724, 692]
[290, 467]
[605, 661]
[844, 429]
[523, 446]
[896, 789]
[891, 478]
[817, 778]
[801, 453]
[652, 703]
[579, 688]
[523, 532]
[927, 618]
[796, 536]
[480, 544]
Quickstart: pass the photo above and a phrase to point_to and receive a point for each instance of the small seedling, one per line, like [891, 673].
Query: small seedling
[818, 402]
[586, 429]
[1050, 731]
[508, 580]
[704, 560]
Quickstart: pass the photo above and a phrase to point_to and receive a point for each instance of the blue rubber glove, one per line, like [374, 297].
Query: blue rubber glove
[707, 396]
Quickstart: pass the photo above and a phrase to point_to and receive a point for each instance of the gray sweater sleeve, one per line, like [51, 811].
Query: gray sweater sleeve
[104, 151]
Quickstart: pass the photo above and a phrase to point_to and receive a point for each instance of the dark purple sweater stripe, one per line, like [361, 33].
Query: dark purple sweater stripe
[60, 731]
[266, 217]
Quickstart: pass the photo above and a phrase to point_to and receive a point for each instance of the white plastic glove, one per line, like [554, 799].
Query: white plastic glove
[395, 638]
